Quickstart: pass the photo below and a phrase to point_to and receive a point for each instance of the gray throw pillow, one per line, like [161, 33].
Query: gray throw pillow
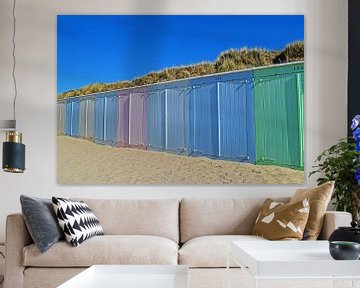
[41, 221]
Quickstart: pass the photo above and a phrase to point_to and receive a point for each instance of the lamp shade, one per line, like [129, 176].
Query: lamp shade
[13, 153]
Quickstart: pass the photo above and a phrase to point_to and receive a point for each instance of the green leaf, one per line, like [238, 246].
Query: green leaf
[339, 163]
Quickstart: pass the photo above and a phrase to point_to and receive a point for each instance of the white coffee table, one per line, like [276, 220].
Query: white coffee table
[292, 260]
[131, 276]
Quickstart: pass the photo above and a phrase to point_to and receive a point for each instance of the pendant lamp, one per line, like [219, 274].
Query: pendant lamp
[13, 158]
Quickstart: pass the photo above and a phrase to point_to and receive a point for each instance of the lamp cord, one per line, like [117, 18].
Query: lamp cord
[14, 59]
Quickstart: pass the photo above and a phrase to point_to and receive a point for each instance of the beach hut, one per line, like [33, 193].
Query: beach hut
[68, 112]
[61, 116]
[155, 119]
[279, 104]
[236, 118]
[75, 118]
[86, 117]
[72, 117]
[90, 117]
[82, 117]
[106, 119]
[110, 120]
[204, 137]
[300, 85]
[123, 120]
[137, 119]
[177, 133]
[99, 119]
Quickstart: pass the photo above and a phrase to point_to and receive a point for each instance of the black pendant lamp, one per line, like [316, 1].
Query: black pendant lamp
[13, 149]
[13, 153]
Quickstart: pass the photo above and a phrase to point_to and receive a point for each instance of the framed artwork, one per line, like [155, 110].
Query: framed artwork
[180, 99]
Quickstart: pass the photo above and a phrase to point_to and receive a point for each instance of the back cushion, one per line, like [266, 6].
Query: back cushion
[158, 217]
[200, 217]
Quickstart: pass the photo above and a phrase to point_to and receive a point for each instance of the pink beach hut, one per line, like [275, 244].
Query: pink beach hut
[137, 120]
[123, 120]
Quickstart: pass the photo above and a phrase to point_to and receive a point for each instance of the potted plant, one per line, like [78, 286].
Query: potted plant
[341, 163]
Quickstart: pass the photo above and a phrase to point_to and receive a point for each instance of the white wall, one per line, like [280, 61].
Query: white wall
[325, 86]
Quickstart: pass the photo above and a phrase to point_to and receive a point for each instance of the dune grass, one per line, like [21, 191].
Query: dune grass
[229, 60]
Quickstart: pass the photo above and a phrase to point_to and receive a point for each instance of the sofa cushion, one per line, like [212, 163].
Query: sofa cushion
[77, 220]
[211, 251]
[319, 198]
[279, 221]
[158, 217]
[200, 217]
[107, 249]
[41, 221]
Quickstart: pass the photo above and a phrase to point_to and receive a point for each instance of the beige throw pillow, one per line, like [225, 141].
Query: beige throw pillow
[319, 198]
[279, 221]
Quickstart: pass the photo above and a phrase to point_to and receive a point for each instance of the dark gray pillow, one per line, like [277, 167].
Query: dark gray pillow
[41, 221]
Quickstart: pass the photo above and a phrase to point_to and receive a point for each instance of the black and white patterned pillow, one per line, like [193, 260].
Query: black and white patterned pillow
[77, 220]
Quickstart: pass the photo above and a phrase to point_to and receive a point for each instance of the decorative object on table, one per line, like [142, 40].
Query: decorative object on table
[77, 220]
[319, 198]
[341, 163]
[41, 221]
[279, 221]
[344, 233]
[13, 149]
[344, 250]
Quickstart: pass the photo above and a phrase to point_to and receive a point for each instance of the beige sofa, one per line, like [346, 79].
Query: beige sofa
[194, 232]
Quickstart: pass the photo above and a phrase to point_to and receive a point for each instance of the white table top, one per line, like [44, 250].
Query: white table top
[131, 276]
[291, 259]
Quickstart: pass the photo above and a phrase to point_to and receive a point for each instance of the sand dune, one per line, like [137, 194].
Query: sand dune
[83, 162]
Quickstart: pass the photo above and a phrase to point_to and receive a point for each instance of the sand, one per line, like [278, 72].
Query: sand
[83, 162]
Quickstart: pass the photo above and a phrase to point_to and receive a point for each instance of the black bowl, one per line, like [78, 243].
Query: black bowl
[344, 250]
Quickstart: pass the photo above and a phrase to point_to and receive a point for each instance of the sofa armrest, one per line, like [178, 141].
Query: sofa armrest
[333, 220]
[17, 237]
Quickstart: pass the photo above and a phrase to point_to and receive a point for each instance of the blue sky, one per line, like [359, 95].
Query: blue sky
[103, 48]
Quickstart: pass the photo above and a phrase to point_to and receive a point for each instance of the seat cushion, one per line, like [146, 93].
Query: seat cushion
[211, 251]
[107, 249]
[41, 277]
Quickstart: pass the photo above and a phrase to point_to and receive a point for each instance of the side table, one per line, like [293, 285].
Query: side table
[292, 264]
